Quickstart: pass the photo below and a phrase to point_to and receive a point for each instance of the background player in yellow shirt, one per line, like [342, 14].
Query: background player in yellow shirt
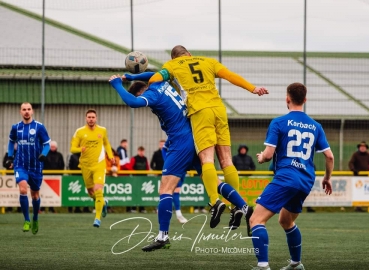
[92, 142]
[194, 77]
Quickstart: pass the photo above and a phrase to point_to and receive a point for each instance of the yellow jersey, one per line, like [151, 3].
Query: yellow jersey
[95, 141]
[194, 77]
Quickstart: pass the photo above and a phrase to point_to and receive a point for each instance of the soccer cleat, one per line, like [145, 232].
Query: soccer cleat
[96, 223]
[216, 211]
[248, 210]
[261, 268]
[26, 226]
[296, 266]
[235, 219]
[182, 219]
[105, 209]
[34, 226]
[157, 244]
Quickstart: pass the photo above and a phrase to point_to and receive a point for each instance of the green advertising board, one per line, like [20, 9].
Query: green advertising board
[131, 191]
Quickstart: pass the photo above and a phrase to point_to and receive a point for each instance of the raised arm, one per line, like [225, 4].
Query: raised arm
[128, 98]
[144, 76]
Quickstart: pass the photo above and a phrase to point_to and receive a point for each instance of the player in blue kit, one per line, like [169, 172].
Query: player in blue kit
[33, 147]
[181, 155]
[291, 141]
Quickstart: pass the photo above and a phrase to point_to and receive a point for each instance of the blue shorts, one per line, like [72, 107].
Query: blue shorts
[33, 179]
[181, 156]
[276, 197]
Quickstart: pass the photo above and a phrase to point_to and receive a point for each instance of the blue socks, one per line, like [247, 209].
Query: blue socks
[176, 202]
[294, 243]
[231, 195]
[165, 212]
[261, 243]
[36, 207]
[23, 199]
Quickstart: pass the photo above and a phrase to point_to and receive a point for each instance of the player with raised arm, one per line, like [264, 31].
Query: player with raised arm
[181, 155]
[291, 141]
[33, 146]
[92, 142]
[194, 77]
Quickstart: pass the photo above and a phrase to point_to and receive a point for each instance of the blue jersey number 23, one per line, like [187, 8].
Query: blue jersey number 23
[297, 140]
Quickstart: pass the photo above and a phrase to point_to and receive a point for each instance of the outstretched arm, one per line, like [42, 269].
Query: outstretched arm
[236, 79]
[144, 76]
[128, 98]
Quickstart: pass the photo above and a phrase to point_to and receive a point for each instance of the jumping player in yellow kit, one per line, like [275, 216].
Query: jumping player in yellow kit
[194, 77]
[92, 141]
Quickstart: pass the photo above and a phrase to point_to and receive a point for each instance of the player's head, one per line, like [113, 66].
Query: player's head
[91, 117]
[26, 111]
[179, 51]
[296, 94]
[137, 88]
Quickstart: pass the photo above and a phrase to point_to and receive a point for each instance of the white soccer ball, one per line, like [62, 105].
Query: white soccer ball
[136, 62]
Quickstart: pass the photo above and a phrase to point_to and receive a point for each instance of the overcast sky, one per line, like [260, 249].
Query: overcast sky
[273, 25]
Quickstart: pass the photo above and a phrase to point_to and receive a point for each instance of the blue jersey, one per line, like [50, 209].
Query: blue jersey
[169, 107]
[296, 137]
[30, 139]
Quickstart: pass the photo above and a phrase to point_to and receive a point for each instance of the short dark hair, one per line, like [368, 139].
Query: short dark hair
[141, 148]
[297, 93]
[136, 87]
[122, 141]
[178, 51]
[91, 111]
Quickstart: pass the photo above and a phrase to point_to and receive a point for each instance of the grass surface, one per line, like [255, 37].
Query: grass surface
[68, 241]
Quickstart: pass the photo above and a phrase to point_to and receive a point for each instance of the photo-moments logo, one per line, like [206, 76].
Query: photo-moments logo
[195, 233]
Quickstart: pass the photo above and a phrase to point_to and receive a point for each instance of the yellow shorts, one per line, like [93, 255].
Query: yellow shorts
[93, 176]
[210, 128]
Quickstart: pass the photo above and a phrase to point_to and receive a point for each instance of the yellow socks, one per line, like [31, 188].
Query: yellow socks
[99, 203]
[231, 177]
[210, 179]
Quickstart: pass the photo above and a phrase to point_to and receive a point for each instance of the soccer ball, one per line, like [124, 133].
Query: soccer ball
[136, 62]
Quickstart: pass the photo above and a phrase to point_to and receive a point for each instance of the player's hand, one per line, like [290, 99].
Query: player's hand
[42, 158]
[9, 163]
[115, 77]
[112, 160]
[260, 91]
[83, 149]
[260, 157]
[327, 186]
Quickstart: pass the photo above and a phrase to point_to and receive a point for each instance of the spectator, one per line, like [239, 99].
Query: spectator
[157, 161]
[242, 161]
[140, 162]
[359, 162]
[123, 155]
[73, 165]
[54, 161]
[5, 159]
[360, 159]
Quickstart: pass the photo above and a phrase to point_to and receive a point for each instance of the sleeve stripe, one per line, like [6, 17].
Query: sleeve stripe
[321, 151]
[147, 102]
[269, 144]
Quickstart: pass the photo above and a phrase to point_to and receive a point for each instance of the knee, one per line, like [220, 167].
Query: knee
[35, 196]
[285, 223]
